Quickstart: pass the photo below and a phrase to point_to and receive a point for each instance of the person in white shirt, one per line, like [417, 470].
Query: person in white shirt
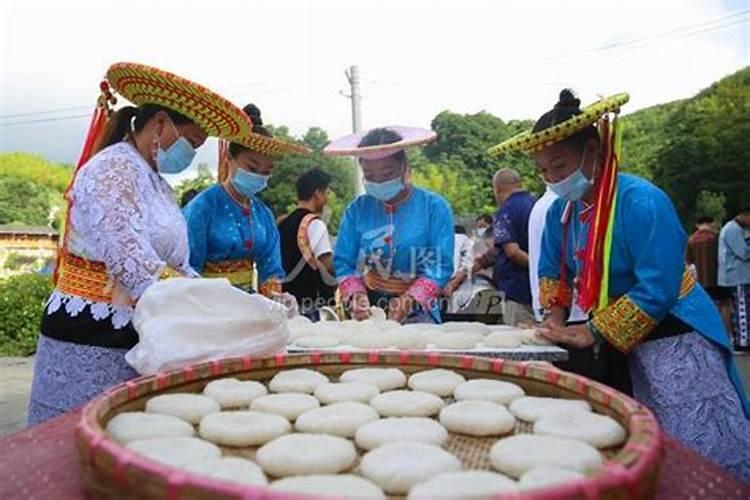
[536, 229]
[306, 245]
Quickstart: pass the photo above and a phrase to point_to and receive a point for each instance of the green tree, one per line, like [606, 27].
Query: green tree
[707, 148]
[203, 180]
[711, 204]
[21, 309]
[24, 202]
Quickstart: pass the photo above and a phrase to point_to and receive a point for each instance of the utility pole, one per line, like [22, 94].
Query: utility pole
[352, 75]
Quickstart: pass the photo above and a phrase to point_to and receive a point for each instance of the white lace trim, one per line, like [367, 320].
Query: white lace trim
[74, 305]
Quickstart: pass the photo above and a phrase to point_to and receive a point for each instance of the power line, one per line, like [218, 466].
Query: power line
[45, 112]
[41, 120]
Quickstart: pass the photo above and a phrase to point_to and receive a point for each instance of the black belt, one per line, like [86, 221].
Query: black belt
[670, 326]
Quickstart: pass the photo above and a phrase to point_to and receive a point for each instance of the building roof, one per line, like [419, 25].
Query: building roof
[27, 230]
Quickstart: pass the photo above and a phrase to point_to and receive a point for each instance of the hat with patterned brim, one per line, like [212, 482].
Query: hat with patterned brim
[142, 84]
[349, 145]
[534, 141]
[270, 146]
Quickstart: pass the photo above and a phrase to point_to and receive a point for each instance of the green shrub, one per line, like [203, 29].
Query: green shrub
[22, 300]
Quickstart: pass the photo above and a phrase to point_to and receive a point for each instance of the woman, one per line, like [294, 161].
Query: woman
[230, 229]
[124, 232]
[395, 243]
[617, 241]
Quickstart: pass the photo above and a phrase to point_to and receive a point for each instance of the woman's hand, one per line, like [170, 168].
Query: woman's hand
[454, 283]
[360, 306]
[399, 307]
[576, 335]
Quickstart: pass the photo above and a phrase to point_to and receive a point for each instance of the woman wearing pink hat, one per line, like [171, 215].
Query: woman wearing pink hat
[395, 243]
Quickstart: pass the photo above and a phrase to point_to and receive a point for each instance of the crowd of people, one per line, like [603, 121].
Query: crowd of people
[597, 263]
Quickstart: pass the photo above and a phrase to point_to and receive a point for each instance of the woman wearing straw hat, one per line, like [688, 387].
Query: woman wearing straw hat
[230, 229]
[395, 243]
[613, 242]
[124, 230]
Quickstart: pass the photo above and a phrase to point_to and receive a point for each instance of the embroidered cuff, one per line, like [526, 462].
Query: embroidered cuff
[554, 293]
[351, 285]
[623, 324]
[424, 291]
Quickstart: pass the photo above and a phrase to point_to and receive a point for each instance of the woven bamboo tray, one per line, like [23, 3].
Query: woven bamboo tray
[112, 471]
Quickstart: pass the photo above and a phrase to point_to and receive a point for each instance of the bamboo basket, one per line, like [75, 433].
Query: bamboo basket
[113, 471]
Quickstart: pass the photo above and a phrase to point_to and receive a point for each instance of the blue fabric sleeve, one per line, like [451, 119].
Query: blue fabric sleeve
[735, 240]
[198, 217]
[268, 258]
[549, 257]
[346, 253]
[440, 268]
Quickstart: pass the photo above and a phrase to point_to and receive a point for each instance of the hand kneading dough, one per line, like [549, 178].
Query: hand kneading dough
[242, 428]
[600, 431]
[517, 454]
[483, 389]
[455, 340]
[531, 337]
[540, 477]
[532, 408]
[346, 391]
[189, 407]
[290, 405]
[178, 451]
[396, 467]
[304, 454]
[391, 430]
[233, 393]
[338, 419]
[338, 486]
[474, 485]
[135, 426]
[406, 404]
[317, 341]
[385, 378]
[298, 380]
[234, 469]
[439, 382]
[477, 418]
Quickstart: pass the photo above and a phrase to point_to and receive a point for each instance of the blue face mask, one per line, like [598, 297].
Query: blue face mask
[177, 157]
[385, 191]
[574, 186]
[249, 183]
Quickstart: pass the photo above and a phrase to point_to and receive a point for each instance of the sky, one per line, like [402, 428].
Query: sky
[416, 57]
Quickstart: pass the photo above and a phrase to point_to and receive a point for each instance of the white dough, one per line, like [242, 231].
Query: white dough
[289, 405]
[410, 339]
[397, 467]
[406, 404]
[532, 408]
[473, 485]
[189, 407]
[338, 486]
[378, 314]
[600, 431]
[242, 428]
[466, 326]
[530, 337]
[391, 430]
[317, 341]
[477, 418]
[456, 340]
[439, 382]
[233, 393]
[372, 340]
[517, 454]
[303, 454]
[234, 469]
[483, 389]
[176, 451]
[346, 391]
[136, 426]
[504, 339]
[338, 419]
[297, 380]
[540, 477]
[385, 378]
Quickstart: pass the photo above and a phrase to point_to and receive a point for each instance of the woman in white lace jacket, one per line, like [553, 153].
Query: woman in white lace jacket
[126, 231]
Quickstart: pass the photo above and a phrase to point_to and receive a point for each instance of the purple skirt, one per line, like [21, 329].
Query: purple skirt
[684, 381]
[68, 375]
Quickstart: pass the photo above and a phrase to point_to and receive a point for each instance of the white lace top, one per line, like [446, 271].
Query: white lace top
[125, 215]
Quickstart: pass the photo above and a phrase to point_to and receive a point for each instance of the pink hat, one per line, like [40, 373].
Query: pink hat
[349, 145]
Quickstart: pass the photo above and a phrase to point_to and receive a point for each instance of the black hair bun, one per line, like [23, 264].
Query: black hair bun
[253, 112]
[568, 101]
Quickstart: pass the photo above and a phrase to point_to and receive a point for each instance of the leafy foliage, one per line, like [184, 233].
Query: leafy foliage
[22, 300]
